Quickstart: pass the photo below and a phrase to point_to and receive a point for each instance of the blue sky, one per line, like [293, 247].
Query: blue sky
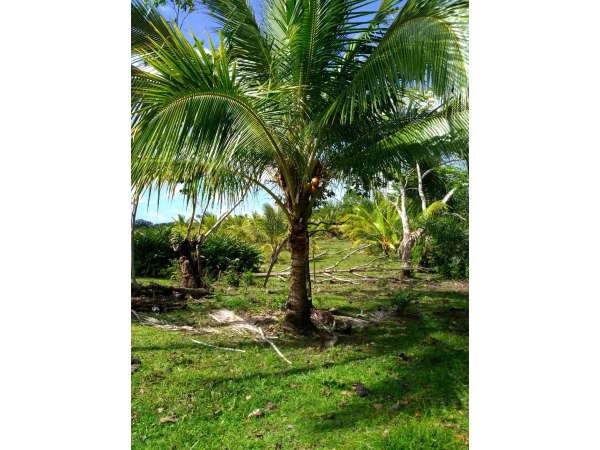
[168, 208]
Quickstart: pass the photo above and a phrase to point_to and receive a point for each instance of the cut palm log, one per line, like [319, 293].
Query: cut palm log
[154, 297]
[159, 304]
[158, 290]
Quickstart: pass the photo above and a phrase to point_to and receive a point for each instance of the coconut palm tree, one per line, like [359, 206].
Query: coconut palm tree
[375, 222]
[317, 90]
[273, 225]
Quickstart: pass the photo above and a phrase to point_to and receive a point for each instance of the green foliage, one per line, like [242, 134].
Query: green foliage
[241, 227]
[154, 255]
[402, 300]
[272, 223]
[448, 246]
[349, 86]
[152, 252]
[329, 218]
[185, 5]
[232, 278]
[375, 222]
[222, 252]
[278, 302]
[435, 209]
[248, 279]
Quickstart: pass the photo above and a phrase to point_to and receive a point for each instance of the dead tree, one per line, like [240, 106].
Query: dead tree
[189, 250]
[410, 237]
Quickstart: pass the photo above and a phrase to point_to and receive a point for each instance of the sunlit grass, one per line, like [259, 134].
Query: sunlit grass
[421, 403]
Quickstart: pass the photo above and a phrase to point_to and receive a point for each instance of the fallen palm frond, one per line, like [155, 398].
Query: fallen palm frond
[225, 321]
[343, 280]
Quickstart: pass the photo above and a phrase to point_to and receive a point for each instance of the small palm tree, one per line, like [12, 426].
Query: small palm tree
[375, 222]
[317, 91]
[272, 224]
[272, 227]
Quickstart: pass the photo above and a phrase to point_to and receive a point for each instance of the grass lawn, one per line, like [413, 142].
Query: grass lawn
[418, 400]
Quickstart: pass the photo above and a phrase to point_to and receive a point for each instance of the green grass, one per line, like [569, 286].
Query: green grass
[422, 403]
[161, 281]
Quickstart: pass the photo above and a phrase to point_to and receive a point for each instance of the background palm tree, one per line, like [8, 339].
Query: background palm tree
[375, 222]
[272, 225]
[241, 227]
[319, 90]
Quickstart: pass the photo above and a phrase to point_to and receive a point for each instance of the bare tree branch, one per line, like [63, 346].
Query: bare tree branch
[448, 196]
[274, 258]
[420, 188]
[226, 214]
[348, 256]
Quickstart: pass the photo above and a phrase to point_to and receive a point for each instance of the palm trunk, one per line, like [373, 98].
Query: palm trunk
[405, 258]
[299, 304]
[408, 242]
[298, 204]
[191, 276]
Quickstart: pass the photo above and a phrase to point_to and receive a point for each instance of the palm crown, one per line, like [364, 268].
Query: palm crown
[319, 89]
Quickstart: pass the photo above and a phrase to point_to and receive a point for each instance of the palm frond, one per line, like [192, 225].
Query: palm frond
[245, 41]
[411, 136]
[146, 25]
[424, 48]
[191, 110]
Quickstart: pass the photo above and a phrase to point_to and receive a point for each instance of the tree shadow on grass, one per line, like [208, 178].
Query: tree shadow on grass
[438, 378]
[382, 340]
[425, 382]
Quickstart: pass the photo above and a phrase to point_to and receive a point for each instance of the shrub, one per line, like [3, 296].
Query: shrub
[154, 255]
[232, 278]
[448, 247]
[152, 252]
[224, 252]
[401, 301]
[248, 279]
